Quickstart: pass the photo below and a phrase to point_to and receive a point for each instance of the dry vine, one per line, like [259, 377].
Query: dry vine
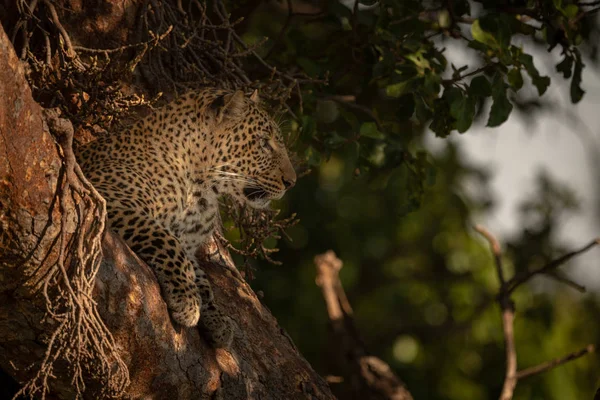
[205, 48]
[82, 82]
[255, 227]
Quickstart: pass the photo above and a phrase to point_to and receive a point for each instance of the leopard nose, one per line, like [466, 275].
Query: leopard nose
[288, 184]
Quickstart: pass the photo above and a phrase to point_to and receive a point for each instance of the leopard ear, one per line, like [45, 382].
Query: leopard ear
[254, 96]
[231, 105]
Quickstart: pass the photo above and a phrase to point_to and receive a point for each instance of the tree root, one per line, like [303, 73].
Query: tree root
[80, 337]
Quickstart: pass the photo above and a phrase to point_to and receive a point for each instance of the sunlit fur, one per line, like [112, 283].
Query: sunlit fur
[162, 179]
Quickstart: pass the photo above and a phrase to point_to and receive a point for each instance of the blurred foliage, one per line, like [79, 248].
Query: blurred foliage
[421, 282]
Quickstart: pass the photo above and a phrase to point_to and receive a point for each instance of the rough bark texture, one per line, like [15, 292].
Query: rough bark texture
[163, 361]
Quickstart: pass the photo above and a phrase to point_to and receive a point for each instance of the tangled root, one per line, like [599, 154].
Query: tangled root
[79, 337]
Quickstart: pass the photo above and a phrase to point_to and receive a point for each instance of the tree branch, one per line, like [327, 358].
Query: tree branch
[511, 376]
[508, 317]
[523, 277]
[538, 369]
[369, 376]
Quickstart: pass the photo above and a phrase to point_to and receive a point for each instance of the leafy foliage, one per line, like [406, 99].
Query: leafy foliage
[389, 78]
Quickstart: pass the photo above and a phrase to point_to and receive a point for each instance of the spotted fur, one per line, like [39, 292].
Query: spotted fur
[163, 176]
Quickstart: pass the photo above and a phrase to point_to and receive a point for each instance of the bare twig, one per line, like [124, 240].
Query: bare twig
[511, 376]
[508, 317]
[567, 281]
[70, 51]
[283, 30]
[466, 75]
[496, 251]
[523, 277]
[538, 369]
[152, 42]
[255, 227]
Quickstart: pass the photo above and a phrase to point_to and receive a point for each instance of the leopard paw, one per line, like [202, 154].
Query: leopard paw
[186, 311]
[217, 327]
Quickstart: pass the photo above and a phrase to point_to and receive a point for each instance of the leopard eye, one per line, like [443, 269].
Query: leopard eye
[264, 143]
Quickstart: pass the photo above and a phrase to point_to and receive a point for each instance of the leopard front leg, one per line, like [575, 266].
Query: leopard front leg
[166, 256]
[218, 327]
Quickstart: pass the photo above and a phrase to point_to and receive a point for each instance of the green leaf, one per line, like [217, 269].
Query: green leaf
[462, 108]
[310, 67]
[369, 129]
[452, 94]
[312, 156]
[482, 36]
[463, 111]
[515, 79]
[576, 91]
[431, 84]
[501, 26]
[309, 127]
[524, 29]
[480, 87]
[464, 122]
[540, 82]
[334, 140]
[327, 111]
[501, 107]
[396, 89]
[420, 60]
[444, 19]
[442, 122]
[383, 66]
[404, 73]
[565, 67]
[406, 107]
[570, 11]
[350, 117]
[422, 110]
[473, 44]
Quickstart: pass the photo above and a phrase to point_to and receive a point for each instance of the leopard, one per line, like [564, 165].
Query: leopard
[163, 177]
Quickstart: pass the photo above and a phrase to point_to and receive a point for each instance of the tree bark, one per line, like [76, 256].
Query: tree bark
[163, 361]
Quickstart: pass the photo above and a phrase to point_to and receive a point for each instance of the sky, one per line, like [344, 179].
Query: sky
[564, 142]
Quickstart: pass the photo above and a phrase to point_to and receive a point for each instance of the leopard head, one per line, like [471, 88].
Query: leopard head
[249, 159]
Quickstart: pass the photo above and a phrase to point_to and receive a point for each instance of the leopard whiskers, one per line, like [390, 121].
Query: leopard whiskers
[233, 177]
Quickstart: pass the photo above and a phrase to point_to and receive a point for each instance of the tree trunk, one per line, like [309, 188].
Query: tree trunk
[163, 361]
